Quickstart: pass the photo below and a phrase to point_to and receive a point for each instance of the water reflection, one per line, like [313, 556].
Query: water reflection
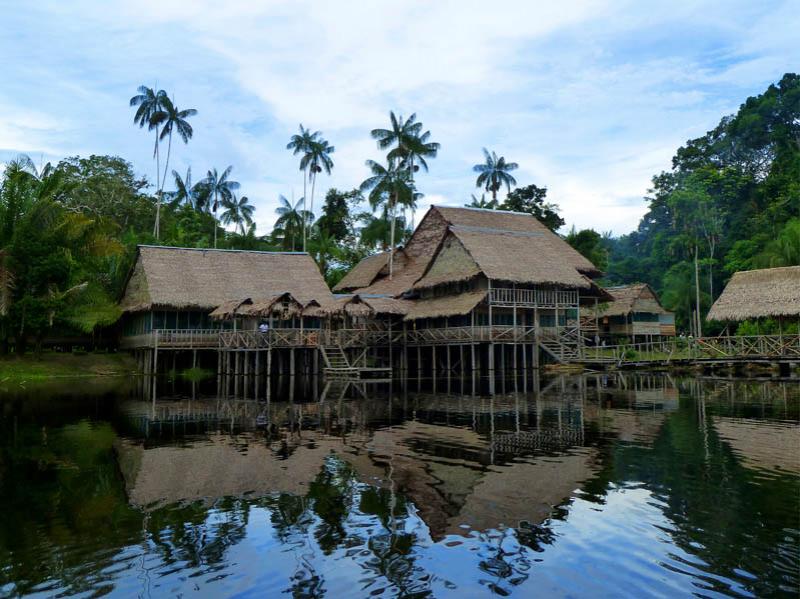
[581, 485]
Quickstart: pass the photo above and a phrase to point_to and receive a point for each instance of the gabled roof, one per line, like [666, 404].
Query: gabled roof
[508, 246]
[759, 294]
[452, 305]
[516, 256]
[203, 279]
[358, 305]
[363, 273]
[638, 297]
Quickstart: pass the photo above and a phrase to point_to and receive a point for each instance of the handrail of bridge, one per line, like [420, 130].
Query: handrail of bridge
[685, 348]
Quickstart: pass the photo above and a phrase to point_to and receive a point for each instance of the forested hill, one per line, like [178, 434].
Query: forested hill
[732, 200]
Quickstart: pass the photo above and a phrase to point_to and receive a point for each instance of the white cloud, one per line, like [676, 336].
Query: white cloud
[591, 98]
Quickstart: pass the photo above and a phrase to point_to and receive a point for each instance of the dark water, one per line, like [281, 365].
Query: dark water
[584, 486]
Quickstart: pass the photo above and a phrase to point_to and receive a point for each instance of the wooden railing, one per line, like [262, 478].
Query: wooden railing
[540, 298]
[173, 338]
[704, 348]
[456, 335]
[271, 338]
[765, 346]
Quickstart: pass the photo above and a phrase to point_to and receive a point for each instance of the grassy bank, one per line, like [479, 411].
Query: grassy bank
[60, 365]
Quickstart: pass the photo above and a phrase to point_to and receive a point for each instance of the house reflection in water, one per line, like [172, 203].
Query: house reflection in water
[465, 462]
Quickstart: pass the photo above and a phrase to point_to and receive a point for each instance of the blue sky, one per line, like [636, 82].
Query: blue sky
[590, 98]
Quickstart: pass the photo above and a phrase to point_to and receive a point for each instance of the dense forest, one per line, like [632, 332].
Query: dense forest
[68, 231]
[730, 202]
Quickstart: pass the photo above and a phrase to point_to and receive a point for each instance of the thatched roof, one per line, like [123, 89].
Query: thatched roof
[283, 306]
[638, 297]
[363, 273]
[539, 255]
[508, 223]
[759, 294]
[527, 257]
[203, 279]
[227, 310]
[357, 305]
[450, 305]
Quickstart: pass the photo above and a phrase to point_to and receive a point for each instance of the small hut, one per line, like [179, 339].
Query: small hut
[635, 312]
[756, 294]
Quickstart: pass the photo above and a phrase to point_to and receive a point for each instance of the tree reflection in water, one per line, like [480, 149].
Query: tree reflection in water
[374, 497]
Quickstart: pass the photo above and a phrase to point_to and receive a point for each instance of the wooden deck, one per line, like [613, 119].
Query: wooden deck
[565, 343]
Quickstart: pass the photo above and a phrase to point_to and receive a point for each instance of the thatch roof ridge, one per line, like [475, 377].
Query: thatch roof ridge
[763, 293]
[219, 250]
[203, 279]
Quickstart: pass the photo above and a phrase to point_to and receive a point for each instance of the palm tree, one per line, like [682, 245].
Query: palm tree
[150, 102]
[221, 189]
[389, 187]
[317, 159]
[482, 202]
[291, 220]
[184, 192]
[238, 211]
[411, 147]
[494, 173]
[170, 118]
[300, 143]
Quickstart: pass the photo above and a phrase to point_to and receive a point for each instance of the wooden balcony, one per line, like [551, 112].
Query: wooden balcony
[533, 298]
[173, 339]
[465, 335]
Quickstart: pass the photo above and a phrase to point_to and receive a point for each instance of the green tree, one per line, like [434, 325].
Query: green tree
[482, 203]
[291, 222]
[388, 187]
[591, 245]
[170, 118]
[494, 173]
[318, 158]
[408, 146]
[220, 189]
[148, 102]
[336, 220]
[531, 200]
[238, 212]
[301, 143]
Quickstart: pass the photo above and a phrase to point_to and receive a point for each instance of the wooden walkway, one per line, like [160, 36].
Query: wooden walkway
[726, 349]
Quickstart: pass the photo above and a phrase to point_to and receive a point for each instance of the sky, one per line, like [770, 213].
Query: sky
[590, 98]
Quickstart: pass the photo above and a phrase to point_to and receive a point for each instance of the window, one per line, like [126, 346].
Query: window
[645, 317]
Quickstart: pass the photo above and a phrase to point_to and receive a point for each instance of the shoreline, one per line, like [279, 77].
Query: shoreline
[53, 365]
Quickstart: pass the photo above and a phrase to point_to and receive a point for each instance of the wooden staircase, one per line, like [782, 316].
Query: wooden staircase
[560, 350]
[339, 367]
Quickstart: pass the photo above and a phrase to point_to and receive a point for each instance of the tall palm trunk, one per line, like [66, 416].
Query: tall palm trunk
[156, 228]
[313, 185]
[166, 164]
[161, 188]
[697, 291]
[305, 178]
[391, 236]
[216, 205]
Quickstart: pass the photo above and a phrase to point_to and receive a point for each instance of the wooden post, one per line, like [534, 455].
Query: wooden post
[291, 362]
